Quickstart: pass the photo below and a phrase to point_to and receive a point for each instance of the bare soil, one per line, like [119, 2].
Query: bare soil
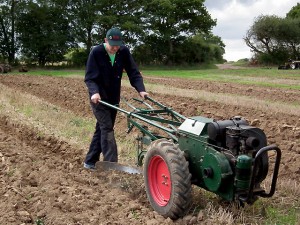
[42, 178]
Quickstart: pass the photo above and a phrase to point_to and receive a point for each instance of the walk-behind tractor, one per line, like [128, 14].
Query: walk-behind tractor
[228, 157]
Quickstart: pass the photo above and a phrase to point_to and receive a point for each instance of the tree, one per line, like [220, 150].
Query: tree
[7, 27]
[76, 57]
[43, 33]
[288, 36]
[169, 22]
[274, 39]
[127, 15]
[261, 36]
[91, 19]
[294, 12]
[47, 29]
[83, 16]
[197, 49]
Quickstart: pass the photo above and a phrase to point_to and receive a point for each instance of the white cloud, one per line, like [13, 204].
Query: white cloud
[235, 17]
[236, 49]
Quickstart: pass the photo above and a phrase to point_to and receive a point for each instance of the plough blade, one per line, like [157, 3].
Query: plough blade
[106, 166]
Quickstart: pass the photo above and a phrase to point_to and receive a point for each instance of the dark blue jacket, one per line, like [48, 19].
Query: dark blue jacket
[103, 78]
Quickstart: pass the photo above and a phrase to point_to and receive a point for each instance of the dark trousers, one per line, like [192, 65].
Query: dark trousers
[104, 139]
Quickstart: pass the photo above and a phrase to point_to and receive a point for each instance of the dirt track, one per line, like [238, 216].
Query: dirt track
[42, 177]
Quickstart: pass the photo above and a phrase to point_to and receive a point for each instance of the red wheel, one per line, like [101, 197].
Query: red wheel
[167, 179]
[159, 180]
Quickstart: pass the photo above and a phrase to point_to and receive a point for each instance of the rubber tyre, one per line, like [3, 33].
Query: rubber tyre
[167, 179]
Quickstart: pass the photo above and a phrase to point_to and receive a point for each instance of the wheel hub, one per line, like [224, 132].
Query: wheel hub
[159, 180]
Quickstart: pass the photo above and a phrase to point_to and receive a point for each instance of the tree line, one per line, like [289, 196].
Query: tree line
[273, 39]
[169, 32]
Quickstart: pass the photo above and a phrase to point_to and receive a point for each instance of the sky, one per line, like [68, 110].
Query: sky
[235, 17]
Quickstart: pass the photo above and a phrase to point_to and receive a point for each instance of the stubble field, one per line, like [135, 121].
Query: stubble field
[43, 180]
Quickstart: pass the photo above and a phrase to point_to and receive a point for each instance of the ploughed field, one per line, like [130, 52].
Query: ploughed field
[42, 178]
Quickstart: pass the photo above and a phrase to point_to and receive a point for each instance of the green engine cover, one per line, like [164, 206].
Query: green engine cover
[215, 170]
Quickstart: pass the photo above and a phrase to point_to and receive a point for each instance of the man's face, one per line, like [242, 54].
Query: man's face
[111, 49]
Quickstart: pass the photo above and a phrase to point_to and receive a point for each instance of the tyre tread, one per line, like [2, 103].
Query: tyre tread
[181, 179]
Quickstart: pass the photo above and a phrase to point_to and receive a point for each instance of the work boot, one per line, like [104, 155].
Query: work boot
[89, 166]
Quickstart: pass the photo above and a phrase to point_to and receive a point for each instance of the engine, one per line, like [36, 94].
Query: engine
[240, 143]
[236, 136]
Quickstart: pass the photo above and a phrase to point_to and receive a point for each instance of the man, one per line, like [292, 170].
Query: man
[103, 79]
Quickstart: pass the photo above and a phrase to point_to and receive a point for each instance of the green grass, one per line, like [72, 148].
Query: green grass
[208, 72]
[28, 110]
[182, 67]
[80, 122]
[214, 74]
[282, 217]
[11, 172]
[39, 221]
[79, 127]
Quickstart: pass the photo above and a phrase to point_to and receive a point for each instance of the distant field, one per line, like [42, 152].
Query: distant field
[287, 79]
[189, 73]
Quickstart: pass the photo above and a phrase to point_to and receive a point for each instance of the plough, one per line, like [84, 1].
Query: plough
[227, 157]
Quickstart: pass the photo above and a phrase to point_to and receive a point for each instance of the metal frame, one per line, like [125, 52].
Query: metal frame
[151, 116]
[160, 116]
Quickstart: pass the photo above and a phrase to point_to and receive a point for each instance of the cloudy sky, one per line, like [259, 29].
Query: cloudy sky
[234, 18]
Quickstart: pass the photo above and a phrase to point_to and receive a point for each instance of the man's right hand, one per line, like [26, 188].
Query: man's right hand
[95, 98]
[143, 94]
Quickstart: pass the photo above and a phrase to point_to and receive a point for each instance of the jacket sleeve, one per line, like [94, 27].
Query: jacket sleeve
[134, 75]
[92, 74]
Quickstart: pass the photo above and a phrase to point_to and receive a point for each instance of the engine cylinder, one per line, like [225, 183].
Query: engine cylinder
[217, 130]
